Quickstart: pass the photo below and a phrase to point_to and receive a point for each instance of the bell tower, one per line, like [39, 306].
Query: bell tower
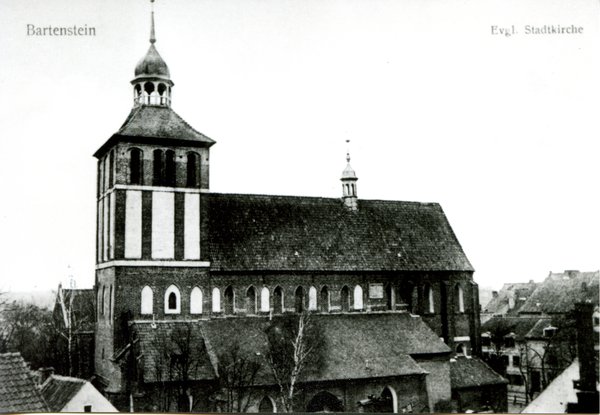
[152, 175]
[349, 179]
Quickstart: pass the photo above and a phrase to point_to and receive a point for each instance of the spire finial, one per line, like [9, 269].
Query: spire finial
[348, 151]
[152, 35]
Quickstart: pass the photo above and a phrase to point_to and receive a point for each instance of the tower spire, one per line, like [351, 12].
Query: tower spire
[349, 184]
[152, 35]
[152, 83]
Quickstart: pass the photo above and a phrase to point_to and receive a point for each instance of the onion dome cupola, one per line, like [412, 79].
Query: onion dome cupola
[152, 83]
[349, 186]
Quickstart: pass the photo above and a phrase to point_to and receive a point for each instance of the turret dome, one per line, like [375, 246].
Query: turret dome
[152, 65]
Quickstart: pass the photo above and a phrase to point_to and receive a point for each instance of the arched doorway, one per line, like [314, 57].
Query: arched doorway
[324, 402]
[267, 405]
[388, 401]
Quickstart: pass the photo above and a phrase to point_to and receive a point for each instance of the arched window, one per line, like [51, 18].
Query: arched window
[161, 92]
[135, 166]
[267, 405]
[388, 401]
[158, 174]
[345, 299]
[172, 300]
[265, 304]
[358, 298]
[149, 88]
[191, 170]
[312, 298]
[428, 299]
[459, 299]
[216, 300]
[324, 305]
[299, 300]
[251, 301]
[147, 300]
[389, 296]
[229, 300]
[170, 168]
[278, 301]
[196, 301]
[138, 94]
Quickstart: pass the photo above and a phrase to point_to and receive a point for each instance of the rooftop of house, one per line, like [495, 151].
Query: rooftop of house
[351, 346]
[560, 291]
[59, 390]
[519, 326]
[471, 372]
[288, 233]
[18, 391]
[501, 301]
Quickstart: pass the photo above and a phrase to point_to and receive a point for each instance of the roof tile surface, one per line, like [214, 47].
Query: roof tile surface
[18, 391]
[258, 232]
[59, 390]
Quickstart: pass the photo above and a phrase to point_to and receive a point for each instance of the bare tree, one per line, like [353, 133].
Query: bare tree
[293, 346]
[177, 363]
[237, 375]
[75, 317]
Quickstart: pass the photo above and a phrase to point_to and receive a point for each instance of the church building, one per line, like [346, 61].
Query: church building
[386, 282]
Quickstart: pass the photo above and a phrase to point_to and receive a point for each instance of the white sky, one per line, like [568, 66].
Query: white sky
[501, 131]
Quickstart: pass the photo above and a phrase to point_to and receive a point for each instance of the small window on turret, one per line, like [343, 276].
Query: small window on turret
[149, 88]
[161, 91]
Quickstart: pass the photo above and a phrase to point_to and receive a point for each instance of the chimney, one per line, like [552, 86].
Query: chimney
[495, 294]
[531, 282]
[45, 373]
[571, 273]
[587, 396]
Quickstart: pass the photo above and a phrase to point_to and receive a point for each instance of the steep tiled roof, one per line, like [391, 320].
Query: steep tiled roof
[18, 391]
[520, 326]
[59, 390]
[353, 345]
[516, 291]
[257, 232]
[559, 292]
[155, 122]
[470, 372]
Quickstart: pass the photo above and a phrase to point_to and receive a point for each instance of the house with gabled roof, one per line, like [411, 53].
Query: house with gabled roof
[69, 394]
[18, 390]
[508, 301]
[536, 345]
[177, 264]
